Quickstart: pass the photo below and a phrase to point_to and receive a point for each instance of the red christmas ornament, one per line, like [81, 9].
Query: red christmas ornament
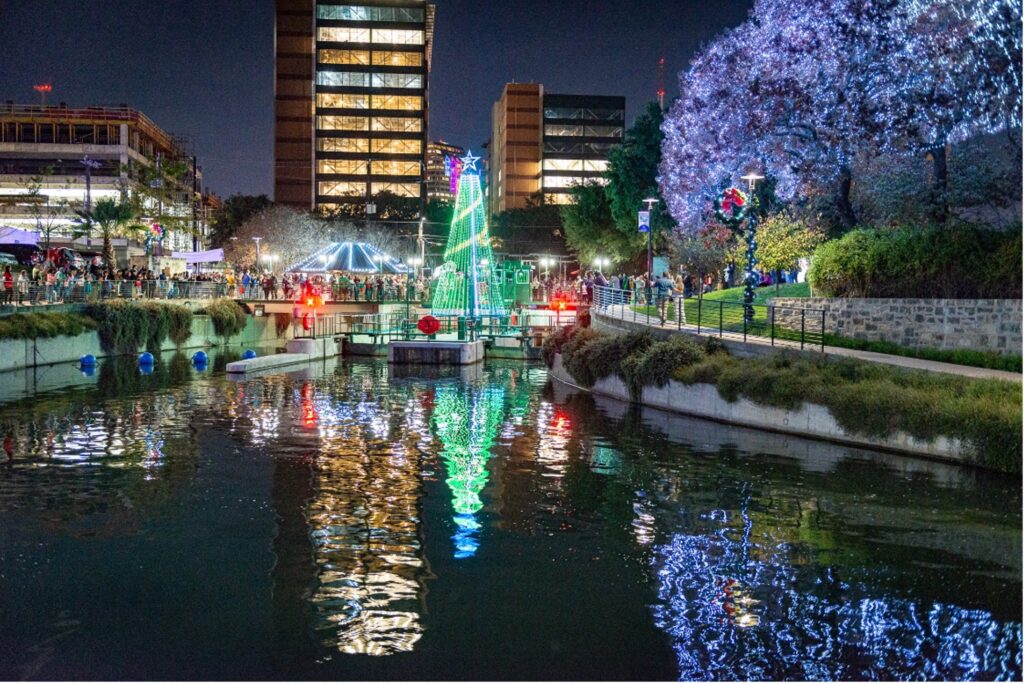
[428, 325]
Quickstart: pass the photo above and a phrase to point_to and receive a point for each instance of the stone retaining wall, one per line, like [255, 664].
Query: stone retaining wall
[809, 421]
[979, 324]
[16, 354]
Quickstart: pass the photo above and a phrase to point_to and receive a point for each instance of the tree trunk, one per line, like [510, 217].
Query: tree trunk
[940, 181]
[843, 204]
[108, 251]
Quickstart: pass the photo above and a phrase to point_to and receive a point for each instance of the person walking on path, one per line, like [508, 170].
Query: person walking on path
[8, 286]
[663, 288]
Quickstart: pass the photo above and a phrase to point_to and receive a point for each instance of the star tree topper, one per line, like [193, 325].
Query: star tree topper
[469, 163]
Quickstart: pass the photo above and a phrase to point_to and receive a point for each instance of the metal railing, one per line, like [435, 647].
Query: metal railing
[26, 295]
[777, 325]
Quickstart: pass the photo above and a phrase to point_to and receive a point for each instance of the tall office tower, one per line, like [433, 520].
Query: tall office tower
[351, 101]
[544, 143]
[444, 164]
[515, 151]
[579, 133]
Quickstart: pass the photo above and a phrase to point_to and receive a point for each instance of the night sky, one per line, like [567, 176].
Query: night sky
[204, 69]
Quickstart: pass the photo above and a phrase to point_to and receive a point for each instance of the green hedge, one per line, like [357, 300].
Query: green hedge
[45, 324]
[865, 398]
[227, 315]
[931, 263]
[127, 326]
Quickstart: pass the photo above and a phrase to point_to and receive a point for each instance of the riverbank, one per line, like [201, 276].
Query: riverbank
[973, 422]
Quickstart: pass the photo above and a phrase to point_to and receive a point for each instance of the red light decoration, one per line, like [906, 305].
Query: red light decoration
[43, 87]
[428, 325]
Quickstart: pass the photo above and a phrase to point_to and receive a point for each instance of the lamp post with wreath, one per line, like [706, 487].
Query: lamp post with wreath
[732, 206]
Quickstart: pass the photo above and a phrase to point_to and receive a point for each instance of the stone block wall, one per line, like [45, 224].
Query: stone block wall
[979, 324]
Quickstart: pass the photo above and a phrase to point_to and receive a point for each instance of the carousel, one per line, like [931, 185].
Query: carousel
[350, 257]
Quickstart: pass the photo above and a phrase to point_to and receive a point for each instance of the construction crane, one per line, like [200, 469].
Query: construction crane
[661, 83]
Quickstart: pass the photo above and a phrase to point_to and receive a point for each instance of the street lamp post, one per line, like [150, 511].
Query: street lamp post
[257, 241]
[749, 279]
[649, 205]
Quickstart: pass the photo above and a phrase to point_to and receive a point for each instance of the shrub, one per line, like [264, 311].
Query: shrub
[554, 342]
[961, 262]
[228, 317]
[655, 365]
[180, 324]
[282, 321]
[44, 325]
[123, 325]
[574, 355]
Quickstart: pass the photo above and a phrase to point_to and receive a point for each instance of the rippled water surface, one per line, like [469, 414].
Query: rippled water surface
[361, 521]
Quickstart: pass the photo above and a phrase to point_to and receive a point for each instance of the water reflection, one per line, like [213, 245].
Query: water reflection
[695, 549]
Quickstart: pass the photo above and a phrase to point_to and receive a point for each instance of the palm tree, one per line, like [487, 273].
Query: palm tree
[106, 218]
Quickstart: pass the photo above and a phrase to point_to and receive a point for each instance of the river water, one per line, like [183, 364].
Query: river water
[360, 521]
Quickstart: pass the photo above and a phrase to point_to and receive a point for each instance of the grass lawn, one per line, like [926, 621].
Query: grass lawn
[798, 290]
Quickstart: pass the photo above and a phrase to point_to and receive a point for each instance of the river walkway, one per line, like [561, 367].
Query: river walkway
[623, 313]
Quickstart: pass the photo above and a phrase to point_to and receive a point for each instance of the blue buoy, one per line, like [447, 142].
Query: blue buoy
[88, 370]
[249, 353]
[200, 367]
[145, 358]
[88, 361]
[199, 358]
[146, 368]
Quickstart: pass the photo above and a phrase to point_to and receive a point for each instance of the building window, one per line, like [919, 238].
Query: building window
[397, 36]
[351, 145]
[396, 168]
[398, 102]
[399, 189]
[397, 81]
[345, 166]
[397, 146]
[341, 188]
[565, 130]
[342, 122]
[594, 165]
[557, 181]
[343, 79]
[394, 124]
[362, 13]
[393, 58]
[343, 56]
[557, 199]
[343, 34]
[336, 101]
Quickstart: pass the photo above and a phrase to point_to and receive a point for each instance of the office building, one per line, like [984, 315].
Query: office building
[544, 143]
[351, 102]
[444, 165]
[54, 160]
[579, 133]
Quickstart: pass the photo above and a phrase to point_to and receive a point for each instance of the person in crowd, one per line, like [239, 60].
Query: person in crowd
[664, 287]
[8, 286]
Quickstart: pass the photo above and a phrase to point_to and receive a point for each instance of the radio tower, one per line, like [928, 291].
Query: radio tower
[661, 83]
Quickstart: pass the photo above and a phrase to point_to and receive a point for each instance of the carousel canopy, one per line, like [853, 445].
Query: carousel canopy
[352, 257]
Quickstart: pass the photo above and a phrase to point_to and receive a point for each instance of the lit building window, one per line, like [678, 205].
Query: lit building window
[336, 101]
[343, 79]
[396, 168]
[557, 199]
[343, 145]
[342, 122]
[346, 166]
[341, 188]
[363, 13]
[344, 56]
[393, 58]
[399, 189]
[398, 102]
[397, 146]
[597, 165]
[343, 34]
[397, 81]
[396, 36]
[561, 181]
[394, 124]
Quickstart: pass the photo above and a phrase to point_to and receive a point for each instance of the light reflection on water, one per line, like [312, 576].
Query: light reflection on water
[399, 498]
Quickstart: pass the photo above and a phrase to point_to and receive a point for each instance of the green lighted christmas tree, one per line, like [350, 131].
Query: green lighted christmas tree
[467, 283]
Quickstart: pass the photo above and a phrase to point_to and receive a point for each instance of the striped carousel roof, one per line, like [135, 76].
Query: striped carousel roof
[352, 257]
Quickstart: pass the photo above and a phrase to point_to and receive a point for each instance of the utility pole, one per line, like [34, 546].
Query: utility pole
[195, 205]
[89, 165]
[645, 226]
[661, 83]
[421, 243]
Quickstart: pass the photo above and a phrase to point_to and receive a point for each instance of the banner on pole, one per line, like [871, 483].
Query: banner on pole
[645, 221]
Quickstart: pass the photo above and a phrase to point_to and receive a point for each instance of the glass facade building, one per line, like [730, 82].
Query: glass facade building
[542, 144]
[351, 101]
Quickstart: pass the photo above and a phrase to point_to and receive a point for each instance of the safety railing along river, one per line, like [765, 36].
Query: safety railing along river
[777, 325]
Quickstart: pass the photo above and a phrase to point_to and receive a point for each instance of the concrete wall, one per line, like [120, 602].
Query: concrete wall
[809, 421]
[25, 353]
[981, 324]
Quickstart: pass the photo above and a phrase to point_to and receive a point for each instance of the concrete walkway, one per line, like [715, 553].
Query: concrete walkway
[623, 313]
